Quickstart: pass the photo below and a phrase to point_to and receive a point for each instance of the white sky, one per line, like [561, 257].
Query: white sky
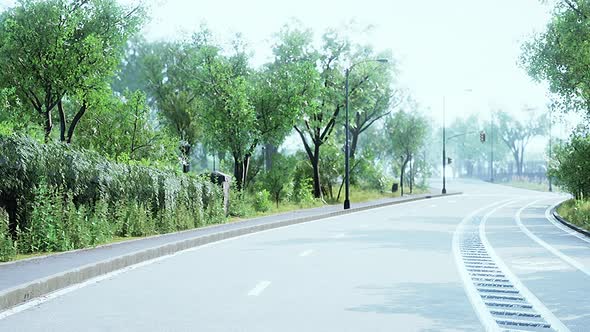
[444, 47]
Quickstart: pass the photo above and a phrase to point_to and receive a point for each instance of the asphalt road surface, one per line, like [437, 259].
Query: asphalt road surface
[491, 259]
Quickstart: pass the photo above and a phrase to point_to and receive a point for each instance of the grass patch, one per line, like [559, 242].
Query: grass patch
[577, 212]
[530, 185]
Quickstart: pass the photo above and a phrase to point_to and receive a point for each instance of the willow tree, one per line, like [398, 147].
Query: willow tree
[63, 52]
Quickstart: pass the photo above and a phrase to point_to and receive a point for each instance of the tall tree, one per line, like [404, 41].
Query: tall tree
[55, 51]
[406, 131]
[517, 135]
[561, 55]
[171, 73]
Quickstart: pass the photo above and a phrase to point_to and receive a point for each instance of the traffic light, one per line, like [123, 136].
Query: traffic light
[449, 160]
[482, 136]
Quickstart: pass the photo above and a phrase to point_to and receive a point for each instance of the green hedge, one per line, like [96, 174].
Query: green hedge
[58, 198]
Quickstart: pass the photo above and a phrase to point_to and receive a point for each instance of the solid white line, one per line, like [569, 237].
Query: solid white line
[525, 292]
[260, 287]
[546, 245]
[306, 253]
[477, 303]
[559, 225]
[40, 300]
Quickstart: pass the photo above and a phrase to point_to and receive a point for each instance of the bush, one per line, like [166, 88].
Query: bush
[577, 212]
[240, 206]
[60, 198]
[262, 201]
[7, 249]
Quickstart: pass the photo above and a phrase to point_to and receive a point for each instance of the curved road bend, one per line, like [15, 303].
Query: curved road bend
[487, 260]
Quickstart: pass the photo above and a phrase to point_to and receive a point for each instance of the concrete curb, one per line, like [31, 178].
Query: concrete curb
[23, 293]
[567, 223]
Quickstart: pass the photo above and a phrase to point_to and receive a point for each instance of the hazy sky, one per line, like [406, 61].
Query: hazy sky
[444, 47]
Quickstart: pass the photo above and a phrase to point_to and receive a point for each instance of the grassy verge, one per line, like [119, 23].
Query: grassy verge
[529, 185]
[576, 212]
[356, 195]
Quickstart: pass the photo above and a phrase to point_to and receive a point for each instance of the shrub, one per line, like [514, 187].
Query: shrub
[7, 249]
[240, 205]
[262, 201]
[60, 198]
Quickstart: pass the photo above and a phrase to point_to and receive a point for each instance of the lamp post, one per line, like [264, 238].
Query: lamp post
[347, 146]
[550, 150]
[444, 188]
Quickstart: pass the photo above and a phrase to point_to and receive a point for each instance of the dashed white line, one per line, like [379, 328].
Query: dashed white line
[433, 205]
[260, 287]
[306, 253]
[338, 236]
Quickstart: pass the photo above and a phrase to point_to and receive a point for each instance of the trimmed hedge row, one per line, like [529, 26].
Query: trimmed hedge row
[58, 198]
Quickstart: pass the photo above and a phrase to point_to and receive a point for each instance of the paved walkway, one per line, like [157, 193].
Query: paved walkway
[17, 273]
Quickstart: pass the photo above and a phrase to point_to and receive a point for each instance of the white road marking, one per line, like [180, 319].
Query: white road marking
[559, 225]
[306, 253]
[433, 205]
[525, 292]
[260, 287]
[40, 300]
[480, 308]
[546, 245]
[339, 236]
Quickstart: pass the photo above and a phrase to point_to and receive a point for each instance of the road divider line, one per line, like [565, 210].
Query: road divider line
[260, 287]
[546, 245]
[306, 253]
[477, 303]
[538, 306]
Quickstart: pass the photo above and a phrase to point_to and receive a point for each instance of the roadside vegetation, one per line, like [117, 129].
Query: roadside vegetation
[105, 135]
[559, 56]
[577, 212]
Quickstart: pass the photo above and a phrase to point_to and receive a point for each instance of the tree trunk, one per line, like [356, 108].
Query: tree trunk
[401, 178]
[411, 177]
[315, 163]
[185, 151]
[245, 168]
[48, 126]
[521, 168]
[238, 171]
[75, 121]
[62, 121]
[270, 151]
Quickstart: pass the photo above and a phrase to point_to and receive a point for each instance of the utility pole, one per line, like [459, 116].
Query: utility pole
[444, 152]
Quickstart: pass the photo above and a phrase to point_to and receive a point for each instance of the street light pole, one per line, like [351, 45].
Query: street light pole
[347, 144]
[444, 156]
[347, 150]
[492, 149]
[550, 150]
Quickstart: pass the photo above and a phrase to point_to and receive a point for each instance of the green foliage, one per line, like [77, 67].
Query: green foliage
[561, 55]
[262, 202]
[7, 248]
[406, 137]
[240, 205]
[576, 212]
[571, 165]
[59, 51]
[280, 176]
[64, 198]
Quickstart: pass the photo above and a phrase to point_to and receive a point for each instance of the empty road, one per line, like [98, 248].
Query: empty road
[490, 259]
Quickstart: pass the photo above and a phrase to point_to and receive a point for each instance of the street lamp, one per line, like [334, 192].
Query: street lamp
[347, 147]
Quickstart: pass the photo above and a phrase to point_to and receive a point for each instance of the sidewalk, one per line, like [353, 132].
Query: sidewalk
[26, 279]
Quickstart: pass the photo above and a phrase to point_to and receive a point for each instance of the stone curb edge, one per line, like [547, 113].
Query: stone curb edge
[37, 288]
[567, 223]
